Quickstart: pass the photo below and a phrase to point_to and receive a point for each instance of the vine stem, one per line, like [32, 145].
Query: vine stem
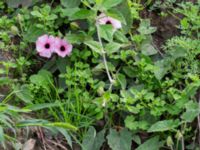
[104, 56]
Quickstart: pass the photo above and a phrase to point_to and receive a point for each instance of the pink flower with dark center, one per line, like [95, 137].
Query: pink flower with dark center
[45, 45]
[103, 19]
[62, 47]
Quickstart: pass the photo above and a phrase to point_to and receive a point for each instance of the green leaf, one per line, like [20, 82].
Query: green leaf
[1, 134]
[33, 33]
[42, 79]
[95, 46]
[82, 14]
[68, 12]
[130, 71]
[161, 68]
[106, 32]
[112, 47]
[148, 49]
[122, 80]
[24, 94]
[93, 141]
[70, 3]
[136, 139]
[164, 125]
[192, 111]
[124, 9]
[17, 3]
[66, 135]
[119, 140]
[107, 4]
[145, 27]
[151, 144]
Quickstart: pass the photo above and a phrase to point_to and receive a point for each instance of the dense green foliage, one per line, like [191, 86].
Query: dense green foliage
[116, 87]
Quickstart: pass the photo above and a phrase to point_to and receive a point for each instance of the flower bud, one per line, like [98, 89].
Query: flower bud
[179, 135]
[14, 30]
[19, 18]
[100, 91]
[169, 141]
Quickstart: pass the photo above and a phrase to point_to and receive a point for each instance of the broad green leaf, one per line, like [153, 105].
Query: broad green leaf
[95, 46]
[24, 94]
[112, 47]
[106, 32]
[164, 125]
[93, 140]
[82, 14]
[68, 12]
[119, 140]
[145, 27]
[130, 71]
[17, 3]
[70, 3]
[75, 38]
[42, 79]
[136, 139]
[119, 36]
[33, 33]
[122, 80]
[124, 9]
[161, 68]
[107, 4]
[192, 111]
[148, 49]
[151, 144]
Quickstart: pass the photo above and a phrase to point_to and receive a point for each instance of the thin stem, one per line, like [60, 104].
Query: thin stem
[104, 56]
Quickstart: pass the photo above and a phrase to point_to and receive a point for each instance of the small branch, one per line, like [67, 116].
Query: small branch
[104, 56]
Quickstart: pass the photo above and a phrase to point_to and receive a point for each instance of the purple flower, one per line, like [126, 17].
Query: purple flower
[103, 19]
[45, 45]
[62, 47]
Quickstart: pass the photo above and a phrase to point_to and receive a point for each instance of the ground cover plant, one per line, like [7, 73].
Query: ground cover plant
[99, 74]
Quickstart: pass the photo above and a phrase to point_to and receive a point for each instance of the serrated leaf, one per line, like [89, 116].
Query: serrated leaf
[119, 140]
[145, 27]
[17, 3]
[95, 46]
[164, 125]
[70, 3]
[122, 80]
[151, 144]
[106, 32]
[33, 33]
[93, 140]
[148, 49]
[24, 94]
[107, 4]
[82, 14]
[112, 47]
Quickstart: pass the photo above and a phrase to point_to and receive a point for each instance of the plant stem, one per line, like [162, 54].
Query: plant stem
[104, 56]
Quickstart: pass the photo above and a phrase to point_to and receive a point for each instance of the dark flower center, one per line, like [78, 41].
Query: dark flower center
[47, 45]
[62, 48]
[108, 22]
